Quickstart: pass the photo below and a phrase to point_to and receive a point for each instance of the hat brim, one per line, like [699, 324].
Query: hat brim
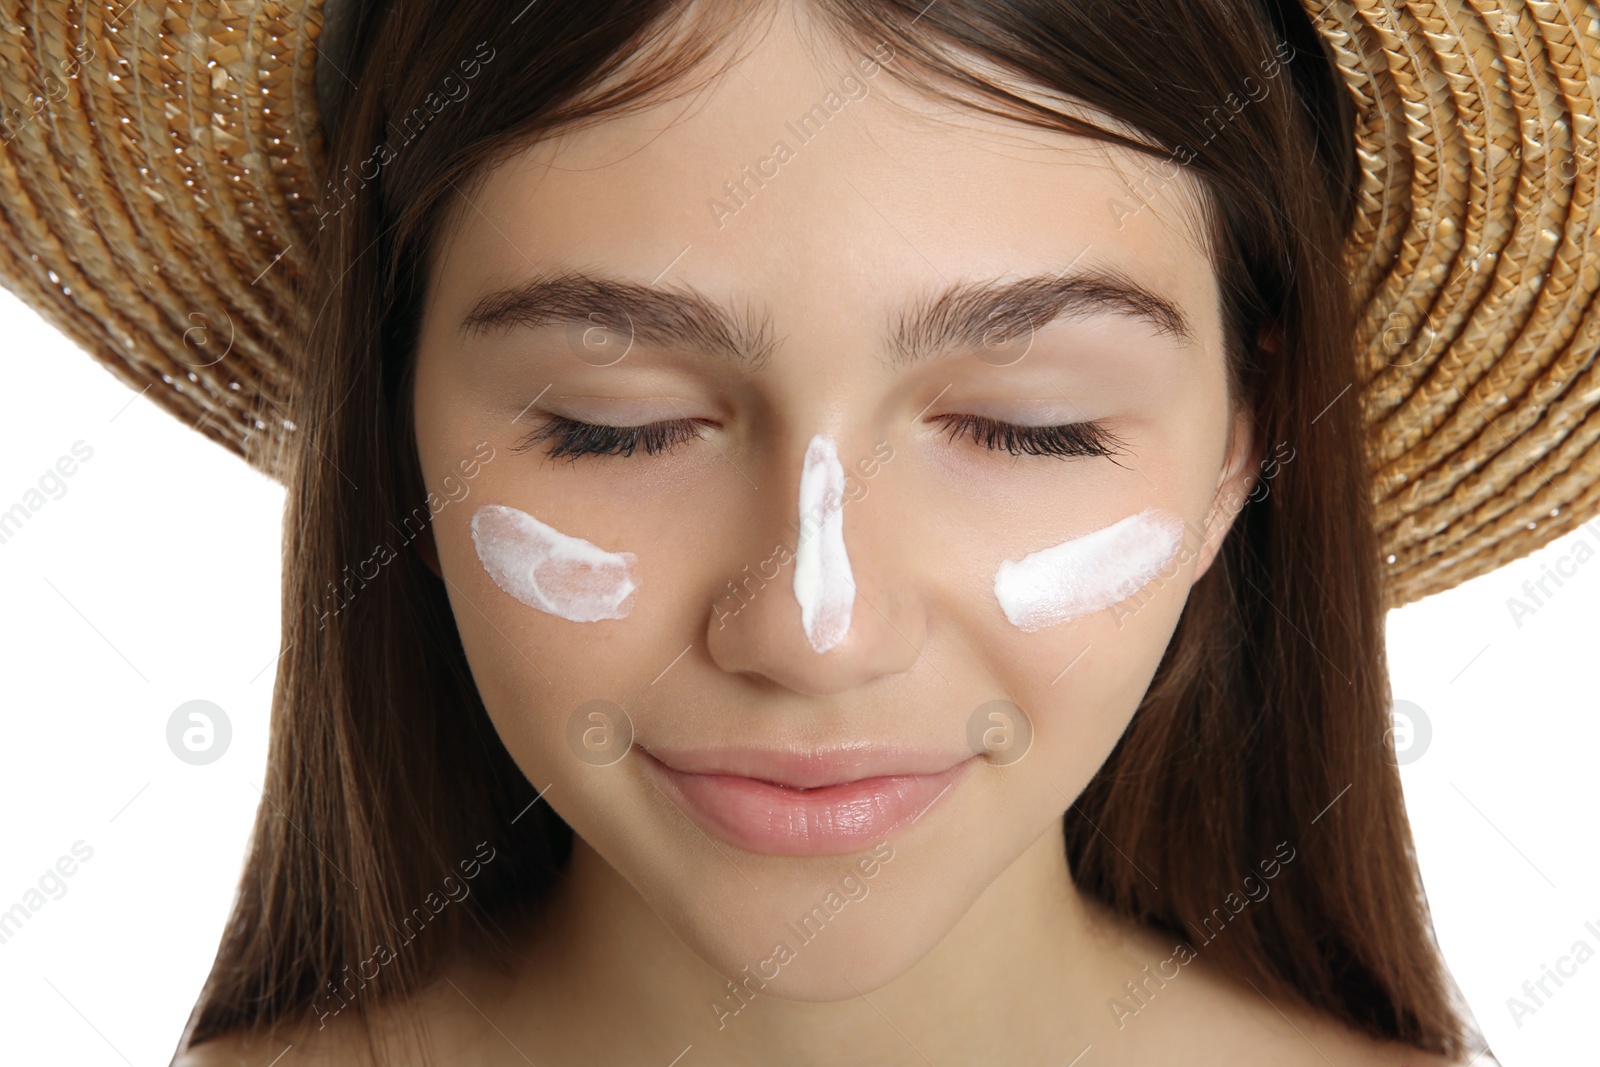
[158, 213]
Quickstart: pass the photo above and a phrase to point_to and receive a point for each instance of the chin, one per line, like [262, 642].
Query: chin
[782, 941]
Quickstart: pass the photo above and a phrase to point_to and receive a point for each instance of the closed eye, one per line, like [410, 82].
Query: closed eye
[1067, 439]
[571, 438]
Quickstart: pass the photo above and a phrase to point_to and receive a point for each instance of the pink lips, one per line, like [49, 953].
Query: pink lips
[805, 803]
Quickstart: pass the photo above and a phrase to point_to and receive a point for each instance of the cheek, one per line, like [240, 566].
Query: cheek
[1076, 630]
[555, 572]
[1074, 688]
[1089, 573]
[559, 620]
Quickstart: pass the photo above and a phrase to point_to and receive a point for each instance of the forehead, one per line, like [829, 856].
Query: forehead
[808, 172]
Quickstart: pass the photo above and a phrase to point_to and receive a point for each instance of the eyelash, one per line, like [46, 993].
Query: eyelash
[574, 439]
[1067, 440]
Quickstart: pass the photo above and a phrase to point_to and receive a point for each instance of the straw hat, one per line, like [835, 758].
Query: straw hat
[159, 166]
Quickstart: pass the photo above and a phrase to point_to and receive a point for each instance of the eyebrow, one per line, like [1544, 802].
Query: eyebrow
[966, 315]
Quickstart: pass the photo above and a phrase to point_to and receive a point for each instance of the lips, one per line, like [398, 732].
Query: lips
[805, 803]
[810, 768]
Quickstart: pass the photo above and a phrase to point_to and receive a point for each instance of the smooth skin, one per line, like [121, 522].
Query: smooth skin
[972, 944]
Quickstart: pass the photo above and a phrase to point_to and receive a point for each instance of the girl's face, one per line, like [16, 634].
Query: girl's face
[824, 563]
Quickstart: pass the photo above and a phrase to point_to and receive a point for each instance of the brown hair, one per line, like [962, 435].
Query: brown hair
[1266, 721]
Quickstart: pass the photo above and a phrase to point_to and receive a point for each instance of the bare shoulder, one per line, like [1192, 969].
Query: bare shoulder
[1177, 1006]
[1344, 1046]
[1283, 1033]
[434, 1025]
[1360, 1050]
[280, 1047]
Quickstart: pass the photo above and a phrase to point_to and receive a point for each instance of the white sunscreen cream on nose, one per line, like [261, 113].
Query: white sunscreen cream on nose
[1088, 573]
[823, 583]
[546, 569]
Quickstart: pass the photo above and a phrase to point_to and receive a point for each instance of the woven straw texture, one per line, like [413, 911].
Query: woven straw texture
[159, 163]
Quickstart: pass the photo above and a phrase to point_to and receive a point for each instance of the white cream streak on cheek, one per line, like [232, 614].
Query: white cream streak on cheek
[823, 583]
[549, 570]
[1088, 573]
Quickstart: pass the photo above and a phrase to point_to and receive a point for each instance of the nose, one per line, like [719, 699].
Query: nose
[827, 603]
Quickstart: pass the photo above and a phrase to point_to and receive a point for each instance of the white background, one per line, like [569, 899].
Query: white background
[153, 580]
